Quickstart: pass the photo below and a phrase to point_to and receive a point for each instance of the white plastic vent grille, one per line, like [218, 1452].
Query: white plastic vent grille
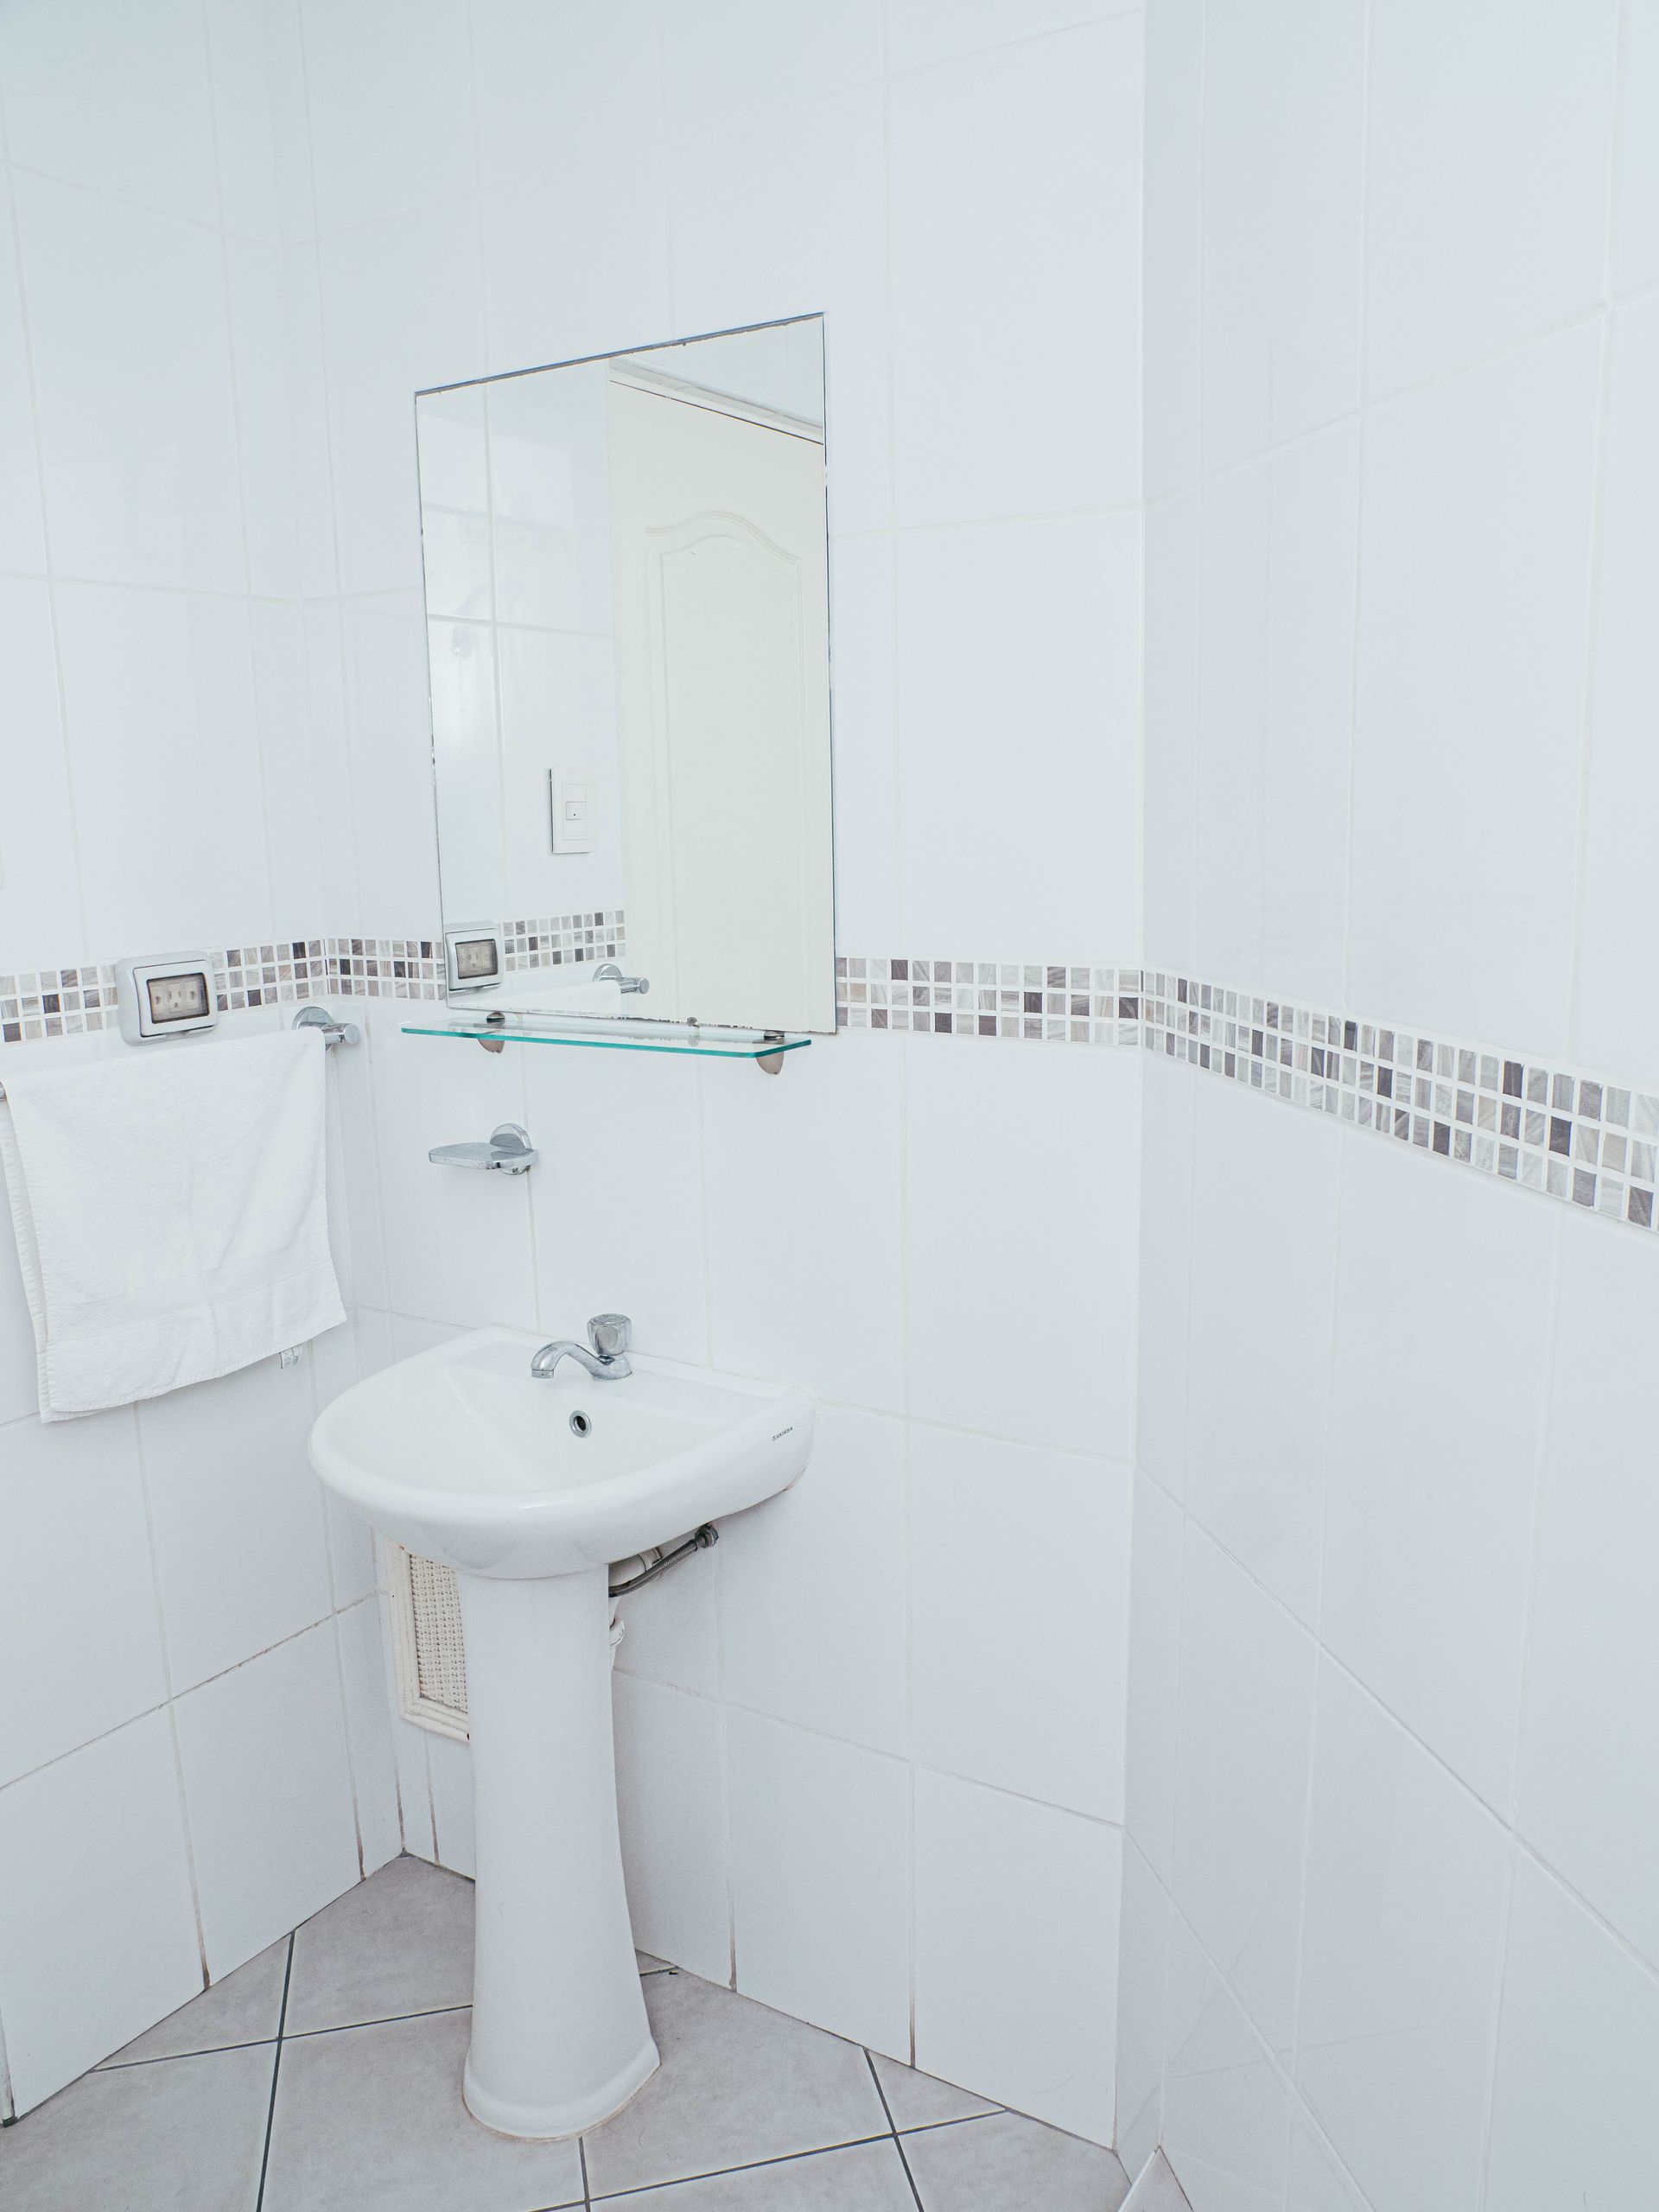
[428, 1646]
[429, 1649]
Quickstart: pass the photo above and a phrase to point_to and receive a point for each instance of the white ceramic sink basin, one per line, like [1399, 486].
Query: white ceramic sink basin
[529, 1488]
[461, 1454]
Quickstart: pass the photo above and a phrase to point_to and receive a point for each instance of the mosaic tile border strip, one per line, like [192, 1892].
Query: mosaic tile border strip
[1564, 1132]
[1561, 1131]
[1541, 1125]
[1034, 1001]
[68, 1001]
[554, 940]
[383, 967]
[38, 1003]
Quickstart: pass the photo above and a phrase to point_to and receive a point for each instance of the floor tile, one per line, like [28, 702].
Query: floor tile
[186, 2137]
[400, 1943]
[737, 2083]
[245, 2007]
[918, 2100]
[867, 2178]
[371, 2119]
[1009, 2164]
[1162, 2192]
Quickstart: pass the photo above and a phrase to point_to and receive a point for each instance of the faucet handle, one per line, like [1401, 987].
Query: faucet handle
[610, 1334]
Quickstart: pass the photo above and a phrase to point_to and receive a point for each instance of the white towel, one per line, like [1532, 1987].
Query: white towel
[171, 1214]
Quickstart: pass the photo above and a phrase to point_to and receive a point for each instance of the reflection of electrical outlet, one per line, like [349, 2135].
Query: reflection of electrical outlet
[571, 806]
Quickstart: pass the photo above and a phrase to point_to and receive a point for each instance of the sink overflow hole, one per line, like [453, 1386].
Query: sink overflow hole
[580, 1424]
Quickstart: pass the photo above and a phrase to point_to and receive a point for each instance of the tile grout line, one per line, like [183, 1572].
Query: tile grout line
[167, 2057]
[1548, 1420]
[305, 2034]
[968, 2118]
[172, 1698]
[381, 2020]
[893, 2130]
[750, 2166]
[588, 2200]
[793, 2158]
[275, 2069]
[330, 2028]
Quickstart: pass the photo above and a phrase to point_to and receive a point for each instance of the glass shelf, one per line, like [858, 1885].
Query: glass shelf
[703, 1043]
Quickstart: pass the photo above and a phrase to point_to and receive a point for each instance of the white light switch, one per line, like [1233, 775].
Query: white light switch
[570, 804]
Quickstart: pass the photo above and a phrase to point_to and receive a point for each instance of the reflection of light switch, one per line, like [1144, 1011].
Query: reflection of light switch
[571, 805]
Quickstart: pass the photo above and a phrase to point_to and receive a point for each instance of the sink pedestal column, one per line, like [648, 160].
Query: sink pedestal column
[560, 2036]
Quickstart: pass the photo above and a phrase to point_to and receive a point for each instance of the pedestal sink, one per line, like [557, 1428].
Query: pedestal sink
[529, 1489]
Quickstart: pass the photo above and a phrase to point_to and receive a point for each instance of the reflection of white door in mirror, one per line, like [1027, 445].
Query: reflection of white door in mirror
[628, 635]
[722, 699]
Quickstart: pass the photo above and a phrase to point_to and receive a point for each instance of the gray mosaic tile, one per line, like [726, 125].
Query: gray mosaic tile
[1570, 1134]
[1567, 1134]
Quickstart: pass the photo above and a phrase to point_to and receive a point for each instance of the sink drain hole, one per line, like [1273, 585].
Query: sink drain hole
[580, 1424]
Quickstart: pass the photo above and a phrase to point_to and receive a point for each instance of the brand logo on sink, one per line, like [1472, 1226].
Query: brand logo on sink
[790, 1431]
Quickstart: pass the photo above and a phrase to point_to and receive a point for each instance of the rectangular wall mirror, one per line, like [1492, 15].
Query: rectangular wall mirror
[628, 632]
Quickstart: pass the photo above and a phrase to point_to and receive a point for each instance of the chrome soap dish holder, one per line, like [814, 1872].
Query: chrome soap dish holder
[508, 1150]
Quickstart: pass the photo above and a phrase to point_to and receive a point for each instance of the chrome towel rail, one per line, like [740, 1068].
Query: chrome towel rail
[334, 1032]
[309, 1017]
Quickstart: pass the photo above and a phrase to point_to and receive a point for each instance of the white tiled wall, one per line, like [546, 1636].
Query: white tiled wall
[856, 1717]
[846, 1733]
[959, 192]
[194, 1749]
[195, 1753]
[102, 1936]
[1388, 1939]
[915, 1667]
[1384, 1836]
[1397, 442]
[1398, 1834]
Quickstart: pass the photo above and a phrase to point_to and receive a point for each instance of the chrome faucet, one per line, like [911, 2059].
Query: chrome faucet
[610, 1335]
